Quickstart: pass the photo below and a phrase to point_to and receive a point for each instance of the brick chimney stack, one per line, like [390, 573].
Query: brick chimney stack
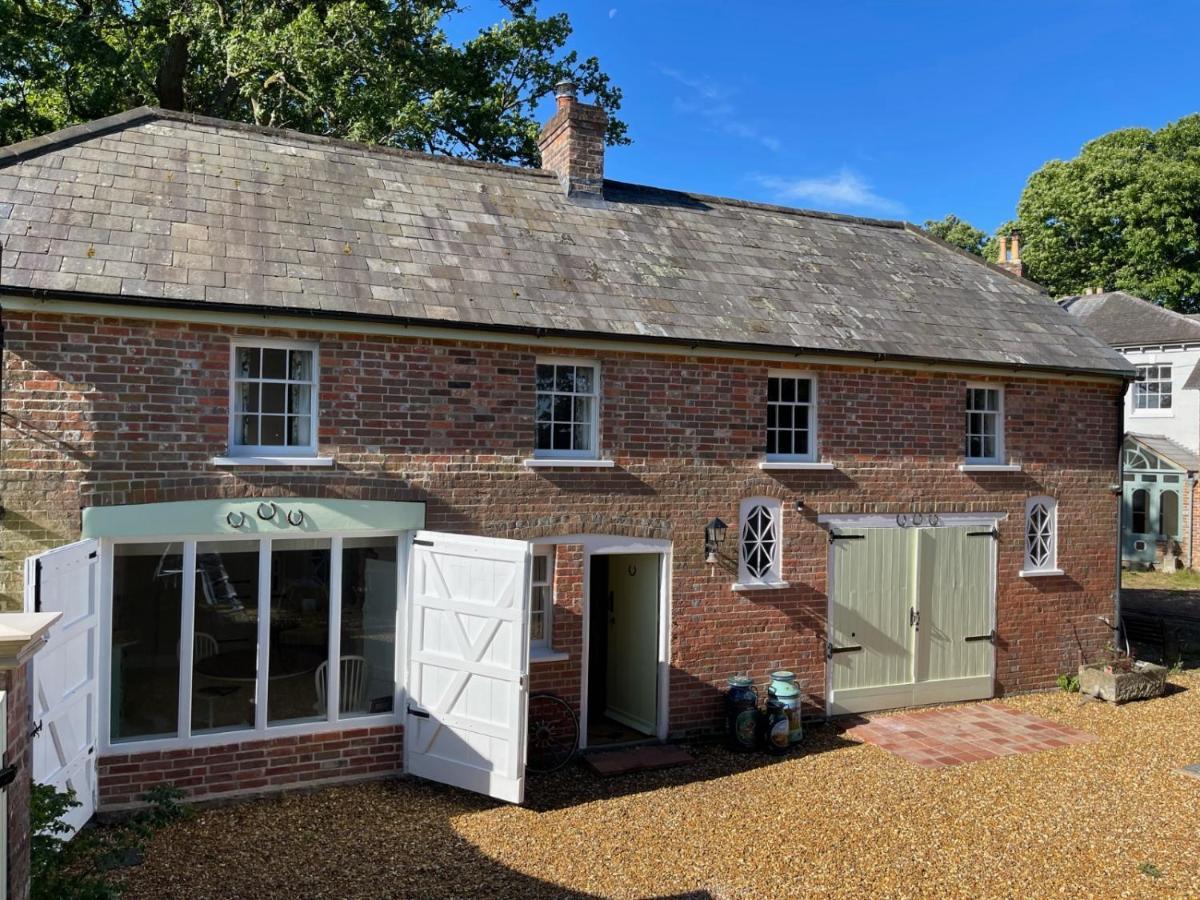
[1010, 255]
[572, 144]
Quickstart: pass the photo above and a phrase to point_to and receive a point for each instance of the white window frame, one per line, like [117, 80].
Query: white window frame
[812, 406]
[773, 577]
[1139, 385]
[270, 451]
[594, 365]
[546, 642]
[184, 739]
[1000, 457]
[1048, 566]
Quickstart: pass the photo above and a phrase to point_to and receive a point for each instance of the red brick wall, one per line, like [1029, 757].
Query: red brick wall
[109, 411]
[253, 767]
[16, 683]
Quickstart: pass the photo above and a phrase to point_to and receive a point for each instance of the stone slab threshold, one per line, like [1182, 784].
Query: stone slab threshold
[610, 763]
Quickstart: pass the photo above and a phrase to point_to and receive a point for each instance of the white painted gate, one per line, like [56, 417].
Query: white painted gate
[64, 680]
[468, 659]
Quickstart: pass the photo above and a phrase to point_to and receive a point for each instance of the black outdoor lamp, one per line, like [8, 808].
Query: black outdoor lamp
[714, 534]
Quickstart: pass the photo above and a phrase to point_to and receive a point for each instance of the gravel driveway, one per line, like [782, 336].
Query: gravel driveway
[1105, 818]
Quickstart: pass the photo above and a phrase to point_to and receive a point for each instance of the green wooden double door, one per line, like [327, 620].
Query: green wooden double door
[911, 617]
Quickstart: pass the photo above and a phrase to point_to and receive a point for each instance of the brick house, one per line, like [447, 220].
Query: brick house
[1161, 455]
[273, 401]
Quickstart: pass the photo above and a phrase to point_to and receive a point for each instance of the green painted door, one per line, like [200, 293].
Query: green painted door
[632, 673]
[953, 587]
[910, 617]
[871, 635]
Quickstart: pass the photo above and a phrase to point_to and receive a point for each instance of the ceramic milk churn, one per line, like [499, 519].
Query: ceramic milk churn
[741, 712]
[784, 691]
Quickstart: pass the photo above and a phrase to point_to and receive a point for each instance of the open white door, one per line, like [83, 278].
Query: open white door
[468, 657]
[64, 678]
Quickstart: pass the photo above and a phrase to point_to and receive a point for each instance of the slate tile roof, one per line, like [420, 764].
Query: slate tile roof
[166, 207]
[1123, 320]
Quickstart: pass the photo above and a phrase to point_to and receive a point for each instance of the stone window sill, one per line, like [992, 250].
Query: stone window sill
[546, 655]
[227, 461]
[759, 586]
[988, 467]
[538, 463]
[779, 465]
[1039, 573]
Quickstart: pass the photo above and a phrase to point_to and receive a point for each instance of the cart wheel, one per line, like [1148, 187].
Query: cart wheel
[553, 733]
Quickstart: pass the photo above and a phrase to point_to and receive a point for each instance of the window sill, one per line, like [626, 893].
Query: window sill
[1040, 573]
[546, 655]
[988, 467]
[779, 465]
[1151, 413]
[537, 463]
[760, 586]
[272, 461]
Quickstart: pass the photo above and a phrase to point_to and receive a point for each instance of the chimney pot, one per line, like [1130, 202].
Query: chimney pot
[1010, 255]
[564, 91]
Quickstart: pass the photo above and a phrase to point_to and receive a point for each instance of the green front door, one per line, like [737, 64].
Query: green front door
[910, 617]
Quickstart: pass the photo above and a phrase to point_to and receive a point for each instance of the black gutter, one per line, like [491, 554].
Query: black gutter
[535, 331]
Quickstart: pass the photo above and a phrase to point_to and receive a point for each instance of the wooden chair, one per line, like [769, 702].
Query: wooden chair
[352, 690]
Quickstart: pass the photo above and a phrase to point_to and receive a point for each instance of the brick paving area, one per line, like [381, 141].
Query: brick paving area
[964, 734]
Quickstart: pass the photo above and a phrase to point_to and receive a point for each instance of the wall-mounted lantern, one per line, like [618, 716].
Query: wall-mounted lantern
[714, 534]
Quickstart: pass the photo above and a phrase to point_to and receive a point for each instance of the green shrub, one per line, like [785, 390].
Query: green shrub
[1069, 683]
[60, 869]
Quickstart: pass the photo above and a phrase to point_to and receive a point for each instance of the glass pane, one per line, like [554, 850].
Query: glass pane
[543, 438]
[247, 397]
[299, 398]
[562, 408]
[247, 362]
[784, 442]
[545, 378]
[225, 643]
[274, 364]
[543, 408]
[800, 442]
[772, 390]
[562, 437]
[564, 378]
[537, 626]
[273, 398]
[249, 431]
[785, 416]
[584, 379]
[539, 568]
[299, 431]
[299, 629]
[300, 365]
[788, 390]
[1165, 401]
[367, 672]
[147, 603]
[272, 430]
[772, 441]
[583, 437]
[583, 410]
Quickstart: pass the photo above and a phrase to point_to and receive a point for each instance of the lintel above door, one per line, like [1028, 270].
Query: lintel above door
[263, 516]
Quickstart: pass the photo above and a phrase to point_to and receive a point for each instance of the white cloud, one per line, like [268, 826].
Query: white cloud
[612, 13]
[713, 103]
[845, 190]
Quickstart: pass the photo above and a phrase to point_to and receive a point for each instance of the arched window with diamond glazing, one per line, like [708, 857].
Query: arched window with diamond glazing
[760, 539]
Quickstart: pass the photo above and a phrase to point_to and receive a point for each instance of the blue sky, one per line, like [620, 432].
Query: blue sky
[896, 109]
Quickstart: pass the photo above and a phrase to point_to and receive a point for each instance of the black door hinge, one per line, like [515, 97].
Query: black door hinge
[830, 649]
[834, 536]
[990, 636]
[419, 713]
[421, 543]
[994, 534]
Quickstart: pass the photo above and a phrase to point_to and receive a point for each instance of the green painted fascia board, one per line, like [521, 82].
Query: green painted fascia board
[229, 518]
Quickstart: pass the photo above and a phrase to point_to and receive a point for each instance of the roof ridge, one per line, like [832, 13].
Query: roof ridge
[118, 122]
[978, 260]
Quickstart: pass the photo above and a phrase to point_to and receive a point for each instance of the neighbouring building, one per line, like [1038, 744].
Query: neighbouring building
[329, 453]
[1162, 422]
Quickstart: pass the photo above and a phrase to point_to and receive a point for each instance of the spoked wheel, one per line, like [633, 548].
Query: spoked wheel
[553, 733]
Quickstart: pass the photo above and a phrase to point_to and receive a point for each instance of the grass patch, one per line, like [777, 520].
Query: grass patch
[1182, 580]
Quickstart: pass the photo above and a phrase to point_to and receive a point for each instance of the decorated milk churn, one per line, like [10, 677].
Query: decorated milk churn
[774, 725]
[783, 690]
[741, 713]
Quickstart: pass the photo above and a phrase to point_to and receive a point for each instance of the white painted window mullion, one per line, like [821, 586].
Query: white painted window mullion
[262, 680]
[333, 669]
[187, 637]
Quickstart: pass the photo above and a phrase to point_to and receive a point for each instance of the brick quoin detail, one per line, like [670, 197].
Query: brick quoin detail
[254, 767]
[104, 411]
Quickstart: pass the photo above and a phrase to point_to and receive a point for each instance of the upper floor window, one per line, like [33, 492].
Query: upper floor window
[1041, 536]
[274, 408]
[1152, 390]
[985, 425]
[541, 599]
[791, 418]
[567, 409]
[760, 543]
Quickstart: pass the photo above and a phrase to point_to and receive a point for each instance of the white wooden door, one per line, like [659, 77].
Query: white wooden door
[64, 677]
[468, 658]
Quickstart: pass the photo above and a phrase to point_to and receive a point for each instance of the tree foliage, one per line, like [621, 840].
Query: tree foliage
[378, 71]
[958, 233]
[1122, 215]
